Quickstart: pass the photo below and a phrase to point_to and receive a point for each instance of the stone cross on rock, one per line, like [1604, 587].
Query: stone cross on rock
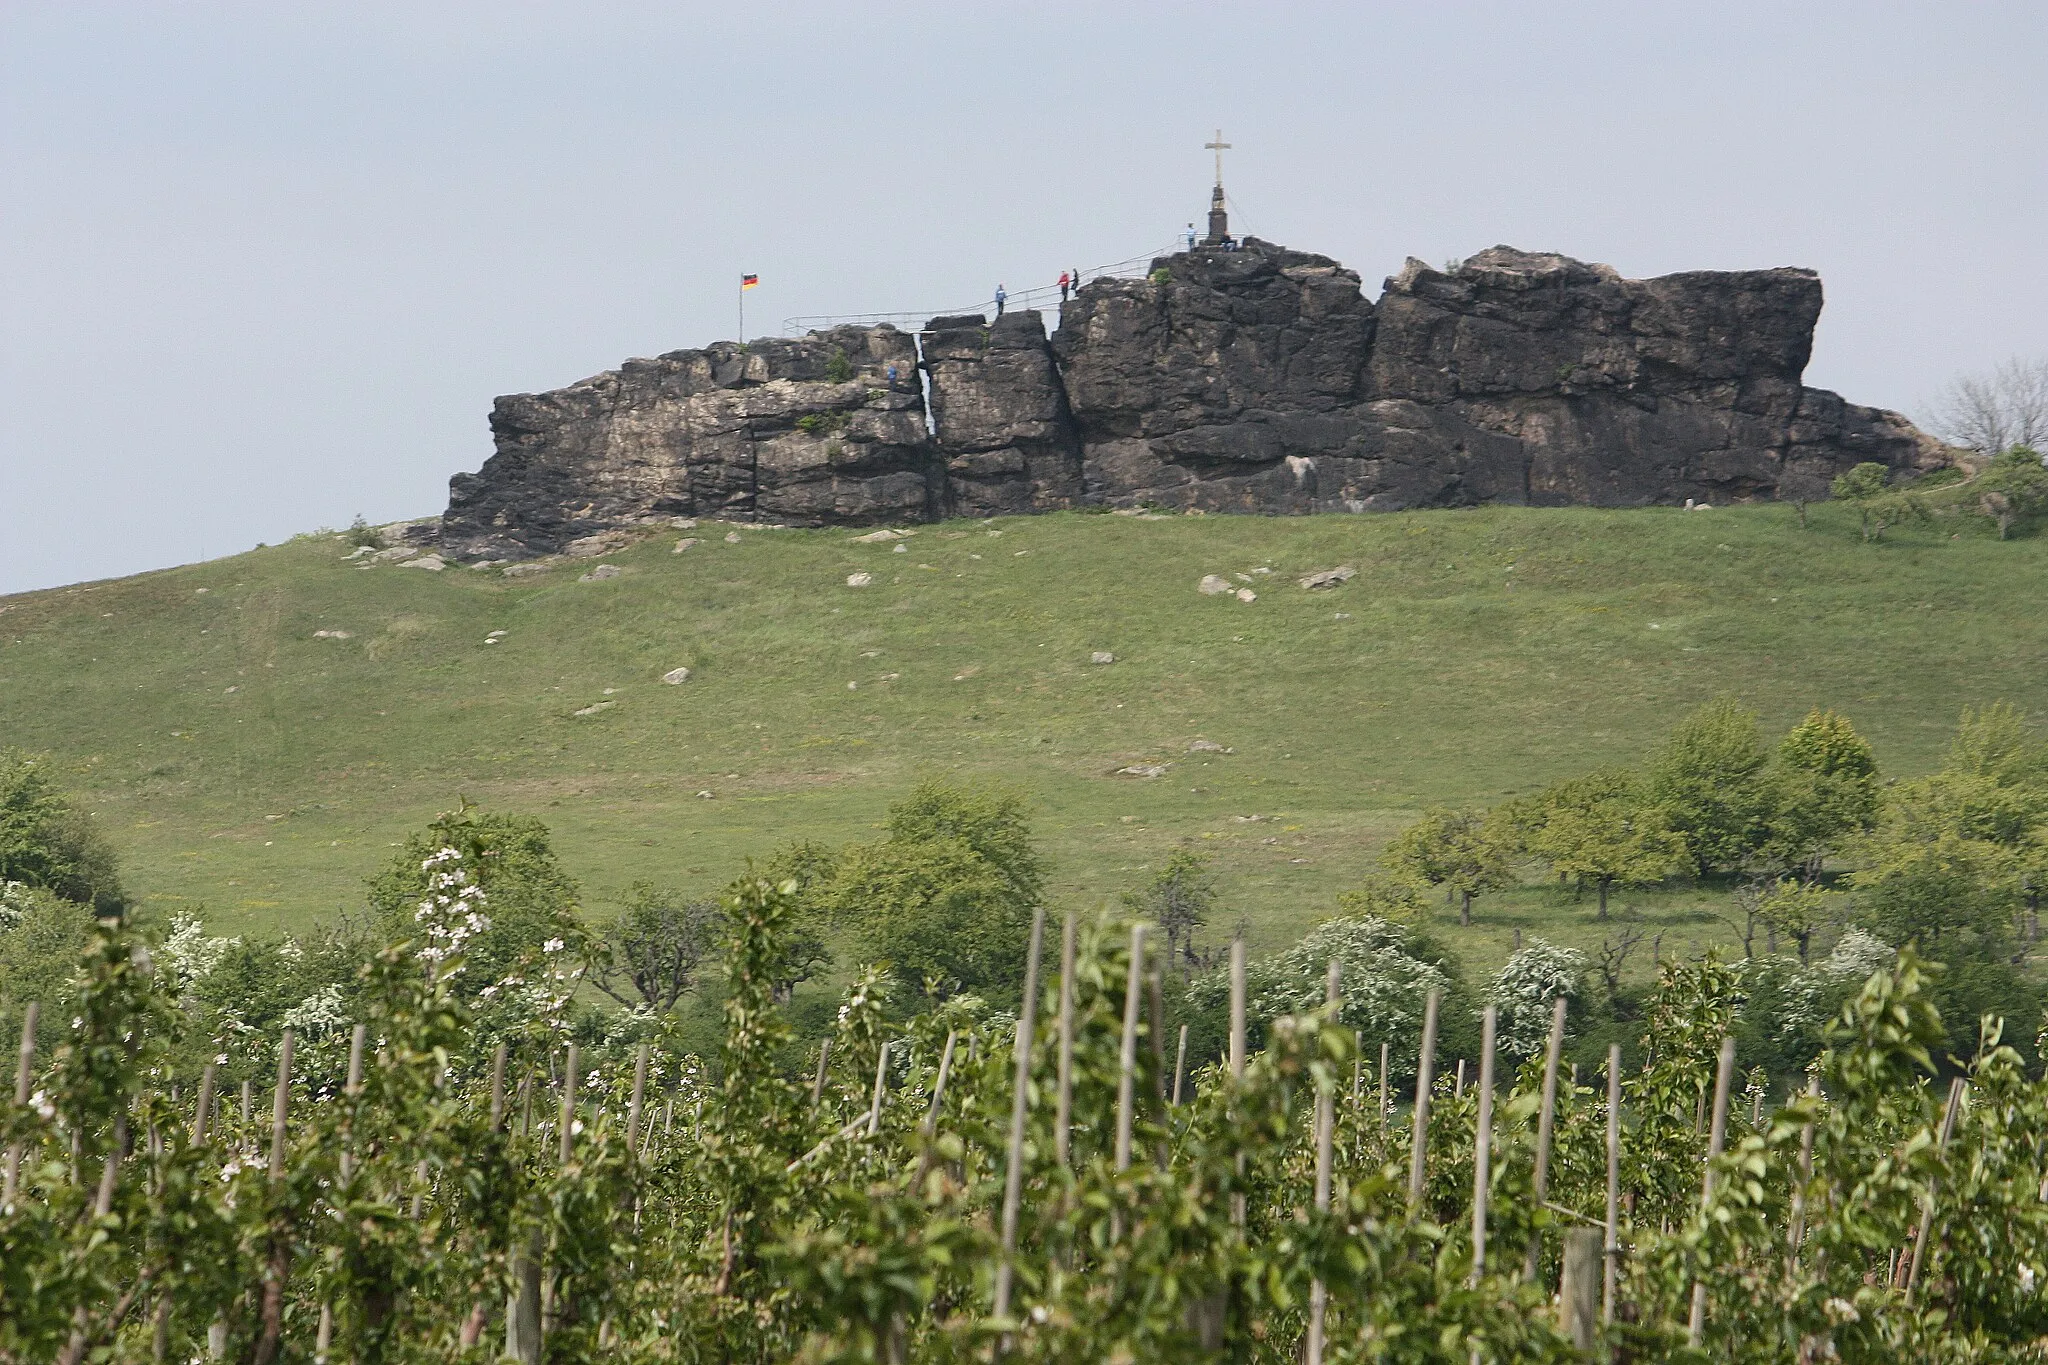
[1219, 217]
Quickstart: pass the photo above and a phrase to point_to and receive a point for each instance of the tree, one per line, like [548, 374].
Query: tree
[1882, 507]
[2015, 488]
[1992, 412]
[45, 841]
[1533, 977]
[1824, 790]
[1796, 909]
[655, 946]
[1178, 899]
[1460, 851]
[947, 896]
[528, 896]
[1601, 828]
[1708, 781]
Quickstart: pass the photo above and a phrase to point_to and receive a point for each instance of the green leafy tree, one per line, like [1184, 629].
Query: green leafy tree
[1709, 783]
[1797, 909]
[2014, 489]
[947, 897]
[1824, 791]
[46, 841]
[1862, 486]
[1603, 829]
[1178, 899]
[42, 937]
[1461, 851]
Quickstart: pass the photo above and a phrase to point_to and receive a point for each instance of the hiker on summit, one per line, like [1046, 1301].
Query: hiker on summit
[1066, 283]
[1001, 297]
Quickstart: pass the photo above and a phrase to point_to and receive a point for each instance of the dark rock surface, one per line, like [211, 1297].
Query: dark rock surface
[1252, 380]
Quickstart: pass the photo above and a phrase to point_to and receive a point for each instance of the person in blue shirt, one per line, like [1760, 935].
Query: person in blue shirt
[1191, 236]
[1001, 297]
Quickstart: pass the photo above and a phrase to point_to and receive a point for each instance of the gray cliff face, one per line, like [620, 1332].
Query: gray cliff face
[1256, 380]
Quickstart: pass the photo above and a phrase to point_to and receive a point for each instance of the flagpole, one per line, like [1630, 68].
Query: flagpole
[743, 312]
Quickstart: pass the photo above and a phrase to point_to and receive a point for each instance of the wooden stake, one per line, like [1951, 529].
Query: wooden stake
[1458, 1089]
[1546, 1122]
[1180, 1065]
[1482, 1143]
[1797, 1234]
[1127, 1067]
[570, 1072]
[875, 1104]
[1948, 1128]
[281, 1105]
[202, 1114]
[1578, 1299]
[1237, 1044]
[931, 1113]
[24, 1072]
[498, 1060]
[1326, 1125]
[818, 1081]
[1127, 1054]
[1386, 1056]
[1717, 1135]
[634, 1105]
[1612, 1266]
[1425, 1075]
[248, 1106]
[1063, 1111]
[1020, 1104]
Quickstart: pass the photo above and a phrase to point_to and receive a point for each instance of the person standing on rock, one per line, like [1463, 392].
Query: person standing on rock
[1001, 297]
[1066, 283]
[1191, 236]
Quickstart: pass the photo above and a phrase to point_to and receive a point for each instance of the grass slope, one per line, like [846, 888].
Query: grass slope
[242, 764]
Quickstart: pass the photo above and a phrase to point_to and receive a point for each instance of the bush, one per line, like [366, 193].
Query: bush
[46, 842]
[838, 369]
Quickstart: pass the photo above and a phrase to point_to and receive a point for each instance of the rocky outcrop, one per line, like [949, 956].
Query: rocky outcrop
[999, 414]
[830, 428]
[1256, 379]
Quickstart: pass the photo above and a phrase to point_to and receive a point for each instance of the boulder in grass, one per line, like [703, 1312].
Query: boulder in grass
[1213, 585]
[676, 676]
[1142, 770]
[591, 547]
[432, 563]
[600, 573]
[685, 543]
[859, 580]
[1247, 595]
[1102, 656]
[1329, 578]
[526, 570]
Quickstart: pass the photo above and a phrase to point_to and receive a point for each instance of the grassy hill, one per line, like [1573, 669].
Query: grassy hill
[244, 765]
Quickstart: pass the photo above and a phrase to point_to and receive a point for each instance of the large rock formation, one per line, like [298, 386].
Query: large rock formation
[1254, 380]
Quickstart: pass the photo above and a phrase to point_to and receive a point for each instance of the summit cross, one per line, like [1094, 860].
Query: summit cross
[1219, 146]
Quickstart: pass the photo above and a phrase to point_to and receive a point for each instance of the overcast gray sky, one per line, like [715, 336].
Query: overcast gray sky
[263, 266]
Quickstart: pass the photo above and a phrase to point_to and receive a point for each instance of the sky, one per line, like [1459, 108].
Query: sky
[263, 266]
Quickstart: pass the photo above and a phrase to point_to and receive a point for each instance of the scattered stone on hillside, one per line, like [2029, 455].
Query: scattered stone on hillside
[901, 549]
[1329, 578]
[595, 708]
[497, 634]
[704, 796]
[329, 635]
[526, 570]
[593, 547]
[1342, 616]
[359, 552]
[434, 563]
[685, 543]
[1143, 770]
[1102, 656]
[394, 554]
[732, 537]
[859, 580]
[889, 677]
[1213, 585]
[1208, 746]
[683, 523]
[1250, 819]
[1247, 595]
[881, 537]
[599, 574]
[675, 676]
[853, 687]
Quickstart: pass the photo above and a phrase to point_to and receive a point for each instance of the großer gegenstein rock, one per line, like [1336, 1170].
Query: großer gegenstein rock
[1253, 379]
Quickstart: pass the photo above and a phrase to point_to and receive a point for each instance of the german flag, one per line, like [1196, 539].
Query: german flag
[749, 281]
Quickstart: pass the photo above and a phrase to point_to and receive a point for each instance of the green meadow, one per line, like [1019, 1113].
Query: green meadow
[254, 771]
